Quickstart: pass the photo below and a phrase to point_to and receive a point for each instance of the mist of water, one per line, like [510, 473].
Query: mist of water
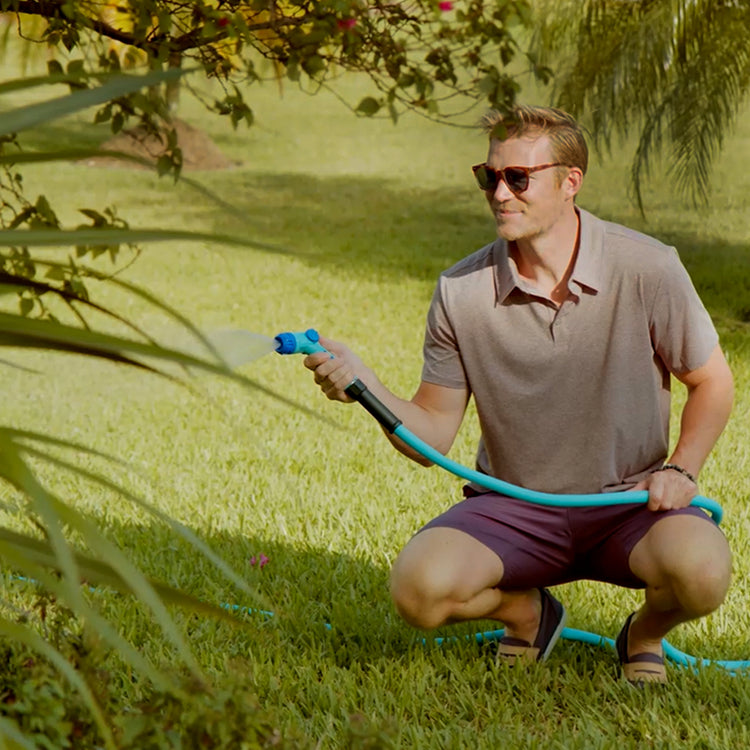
[238, 347]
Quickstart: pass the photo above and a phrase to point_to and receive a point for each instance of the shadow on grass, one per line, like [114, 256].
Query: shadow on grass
[379, 229]
[316, 680]
[316, 604]
[360, 226]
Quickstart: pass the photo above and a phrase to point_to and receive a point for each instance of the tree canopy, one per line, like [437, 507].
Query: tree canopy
[675, 73]
[434, 57]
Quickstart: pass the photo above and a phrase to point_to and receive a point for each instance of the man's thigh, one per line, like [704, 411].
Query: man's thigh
[532, 542]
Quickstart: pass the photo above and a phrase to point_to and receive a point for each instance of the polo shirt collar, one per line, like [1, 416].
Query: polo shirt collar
[587, 271]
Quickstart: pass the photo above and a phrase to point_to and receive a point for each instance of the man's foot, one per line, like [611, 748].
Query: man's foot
[639, 668]
[551, 623]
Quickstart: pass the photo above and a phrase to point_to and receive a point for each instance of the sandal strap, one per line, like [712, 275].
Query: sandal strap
[645, 668]
[510, 649]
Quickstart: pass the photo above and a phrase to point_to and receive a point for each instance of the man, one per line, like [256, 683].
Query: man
[565, 330]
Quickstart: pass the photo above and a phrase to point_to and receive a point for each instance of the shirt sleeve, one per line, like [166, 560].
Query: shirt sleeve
[442, 358]
[682, 331]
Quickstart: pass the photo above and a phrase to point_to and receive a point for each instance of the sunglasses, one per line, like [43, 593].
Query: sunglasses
[516, 178]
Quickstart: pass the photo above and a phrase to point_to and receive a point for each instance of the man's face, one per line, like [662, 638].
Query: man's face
[535, 211]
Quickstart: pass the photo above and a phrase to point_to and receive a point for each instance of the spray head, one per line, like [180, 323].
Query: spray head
[305, 342]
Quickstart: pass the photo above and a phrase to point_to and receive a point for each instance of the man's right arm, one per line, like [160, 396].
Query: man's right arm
[434, 414]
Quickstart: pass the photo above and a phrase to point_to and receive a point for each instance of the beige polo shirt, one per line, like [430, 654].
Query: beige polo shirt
[575, 399]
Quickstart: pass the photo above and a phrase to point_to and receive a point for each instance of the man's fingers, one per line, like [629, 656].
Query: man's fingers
[312, 361]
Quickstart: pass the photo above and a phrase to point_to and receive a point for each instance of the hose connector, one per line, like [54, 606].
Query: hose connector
[305, 342]
[362, 395]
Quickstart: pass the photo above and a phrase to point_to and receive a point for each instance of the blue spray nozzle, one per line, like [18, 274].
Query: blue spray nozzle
[305, 342]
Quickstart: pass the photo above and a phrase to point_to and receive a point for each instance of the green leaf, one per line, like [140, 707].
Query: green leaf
[49, 334]
[17, 331]
[368, 106]
[33, 640]
[31, 115]
[164, 164]
[313, 65]
[40, 566]
[26, 305]
[11, 737]
[176, 526]
[54, 68]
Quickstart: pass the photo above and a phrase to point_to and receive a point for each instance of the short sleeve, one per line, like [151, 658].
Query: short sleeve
[442, 358]
[682, 331]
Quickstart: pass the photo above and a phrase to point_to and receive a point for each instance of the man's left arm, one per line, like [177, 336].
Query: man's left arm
[706, 412]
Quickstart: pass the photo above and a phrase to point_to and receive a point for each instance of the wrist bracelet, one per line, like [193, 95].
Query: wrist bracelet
[684, 472]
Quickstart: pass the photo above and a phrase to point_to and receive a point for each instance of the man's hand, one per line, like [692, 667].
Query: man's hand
[668, 489]
[334, 374]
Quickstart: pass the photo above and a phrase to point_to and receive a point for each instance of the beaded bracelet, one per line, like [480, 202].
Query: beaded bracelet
[684, 472]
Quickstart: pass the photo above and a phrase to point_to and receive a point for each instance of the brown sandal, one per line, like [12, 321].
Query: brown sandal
[551, 623]
[639, 668]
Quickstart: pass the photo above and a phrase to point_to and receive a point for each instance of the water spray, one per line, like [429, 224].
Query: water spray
[308, 342]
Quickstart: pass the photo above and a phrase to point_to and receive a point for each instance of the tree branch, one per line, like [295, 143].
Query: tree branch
[54, 9]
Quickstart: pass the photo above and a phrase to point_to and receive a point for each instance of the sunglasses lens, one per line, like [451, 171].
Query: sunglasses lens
[516, 179]
[486, 178]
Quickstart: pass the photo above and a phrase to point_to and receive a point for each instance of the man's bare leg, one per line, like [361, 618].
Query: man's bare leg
[444, 575]
[686, 565]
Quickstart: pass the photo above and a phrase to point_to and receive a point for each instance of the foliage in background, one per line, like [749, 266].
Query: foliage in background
[676, 73]
[49, 290]
[438, 58]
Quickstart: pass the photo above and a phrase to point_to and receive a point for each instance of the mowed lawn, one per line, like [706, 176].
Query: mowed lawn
[365, 215]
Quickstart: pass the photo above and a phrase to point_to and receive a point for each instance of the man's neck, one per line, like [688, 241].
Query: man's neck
[546, 261]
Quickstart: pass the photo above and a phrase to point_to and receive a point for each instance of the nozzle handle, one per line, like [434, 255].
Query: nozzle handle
[307, 342]
[361, 394]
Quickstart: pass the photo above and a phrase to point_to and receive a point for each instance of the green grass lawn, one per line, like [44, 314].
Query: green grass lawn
[367, 215]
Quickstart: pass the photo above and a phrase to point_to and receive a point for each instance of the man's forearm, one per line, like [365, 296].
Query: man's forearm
[704, 417]
[415, 418]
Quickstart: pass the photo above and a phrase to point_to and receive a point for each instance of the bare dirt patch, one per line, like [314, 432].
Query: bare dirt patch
[198, 150]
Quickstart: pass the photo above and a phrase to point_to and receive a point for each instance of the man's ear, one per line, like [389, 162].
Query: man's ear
[573, 182]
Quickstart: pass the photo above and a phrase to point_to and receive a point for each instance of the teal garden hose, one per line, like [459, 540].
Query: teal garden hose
[307, 342]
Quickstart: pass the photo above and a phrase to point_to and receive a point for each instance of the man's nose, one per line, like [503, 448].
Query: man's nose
[502, 191]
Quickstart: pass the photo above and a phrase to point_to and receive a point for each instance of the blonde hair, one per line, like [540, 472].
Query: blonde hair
[565, 134]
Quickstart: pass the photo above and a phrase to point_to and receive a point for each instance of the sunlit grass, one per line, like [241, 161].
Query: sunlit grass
[368, 215]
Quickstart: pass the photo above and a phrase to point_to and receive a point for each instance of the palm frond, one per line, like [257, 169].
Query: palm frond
[20, 439]
[41, 113]
[95, 236]
[672, 72]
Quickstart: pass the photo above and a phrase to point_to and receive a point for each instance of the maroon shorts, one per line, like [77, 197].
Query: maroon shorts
[545, 546]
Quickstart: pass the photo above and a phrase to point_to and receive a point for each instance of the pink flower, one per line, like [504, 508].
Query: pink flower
[445, 6]
[346, 23]
[262, 560]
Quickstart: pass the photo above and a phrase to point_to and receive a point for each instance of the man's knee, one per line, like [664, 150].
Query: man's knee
[699, 574]
[417, 596]
[438, 572]
[702, 582]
